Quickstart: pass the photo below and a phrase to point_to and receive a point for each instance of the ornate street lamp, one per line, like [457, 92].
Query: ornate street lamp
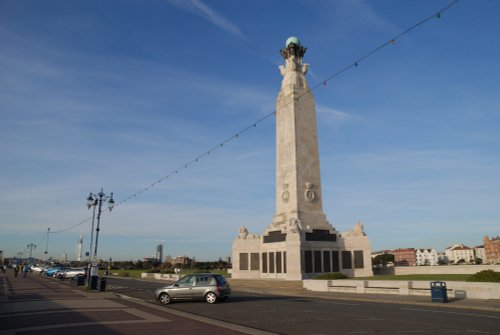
[96, 201]
[47, 242]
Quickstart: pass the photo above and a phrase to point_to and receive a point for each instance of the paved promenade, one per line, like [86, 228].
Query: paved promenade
[40, 305]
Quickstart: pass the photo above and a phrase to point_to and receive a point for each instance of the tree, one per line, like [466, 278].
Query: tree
[442, 261]
[166, 265]
[383, 259]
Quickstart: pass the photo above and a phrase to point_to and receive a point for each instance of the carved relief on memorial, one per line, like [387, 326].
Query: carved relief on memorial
[294, 226]
[243, 232]
[286, 194]
[357, 231]
[309, 194]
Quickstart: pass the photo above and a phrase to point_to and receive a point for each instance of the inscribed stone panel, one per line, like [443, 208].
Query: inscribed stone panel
[275, 236]
[321, 235]
[308, 261]
[317, 261]
[327, 267]
[243, 261]
[271, 262]
[284, 261]
[358, 259]
[264, 262]
[278, 262]
[335, 261]
[254, 261]
[346, 260]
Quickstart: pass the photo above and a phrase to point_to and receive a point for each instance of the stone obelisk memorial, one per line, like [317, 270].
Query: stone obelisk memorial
[300, 242]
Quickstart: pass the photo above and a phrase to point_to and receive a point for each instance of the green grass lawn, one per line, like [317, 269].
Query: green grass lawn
[137, 273]
[125, 273]
[438, 277]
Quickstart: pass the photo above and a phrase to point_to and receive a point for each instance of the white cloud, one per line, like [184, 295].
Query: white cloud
[333, 116]
[369, 16]
[199, 8]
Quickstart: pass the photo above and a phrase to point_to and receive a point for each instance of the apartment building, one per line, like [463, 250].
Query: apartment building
[405, 257]
[426, 257]
[491, 250]
[459, 253]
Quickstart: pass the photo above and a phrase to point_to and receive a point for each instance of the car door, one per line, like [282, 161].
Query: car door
[201, 286]
[182, 289]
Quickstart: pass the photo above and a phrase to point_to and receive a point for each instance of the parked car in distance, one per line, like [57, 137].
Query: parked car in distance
[198, 286]
[59, 273]
[52, 270]
[73, 272]
[37, 268]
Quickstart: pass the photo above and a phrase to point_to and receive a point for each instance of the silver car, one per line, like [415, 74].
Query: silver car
[199, 286]
[73, 272]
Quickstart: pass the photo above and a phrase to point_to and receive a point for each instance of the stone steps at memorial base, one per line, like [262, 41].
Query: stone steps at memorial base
[266, 284]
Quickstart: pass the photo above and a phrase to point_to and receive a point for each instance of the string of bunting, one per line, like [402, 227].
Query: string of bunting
[73, 226]
[324, 82]
[356, 63]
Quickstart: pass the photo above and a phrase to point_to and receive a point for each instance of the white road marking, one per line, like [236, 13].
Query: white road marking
[455, 313]
[337, 303]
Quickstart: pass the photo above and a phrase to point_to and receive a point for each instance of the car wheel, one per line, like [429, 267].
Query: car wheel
[210, 297]
[165, 299]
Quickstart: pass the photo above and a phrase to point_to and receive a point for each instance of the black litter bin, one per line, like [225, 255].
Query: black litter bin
[93, 282]
[102, 284]
[438, 291]
[80, 280]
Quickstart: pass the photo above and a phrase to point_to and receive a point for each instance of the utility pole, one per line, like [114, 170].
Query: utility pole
[47, 242]
[31, 246]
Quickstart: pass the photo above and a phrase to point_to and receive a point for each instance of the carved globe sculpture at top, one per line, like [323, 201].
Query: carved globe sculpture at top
[291, 40]
[293, 48]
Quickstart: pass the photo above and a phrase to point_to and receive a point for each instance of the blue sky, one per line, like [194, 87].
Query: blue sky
[119, 94]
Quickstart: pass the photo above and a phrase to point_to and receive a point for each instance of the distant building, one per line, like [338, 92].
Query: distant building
[480, 254]
[459, 253]
[79, 248]
[405, 257]
[426, 257]
[183, 261]
[492, 249]
[159, 253]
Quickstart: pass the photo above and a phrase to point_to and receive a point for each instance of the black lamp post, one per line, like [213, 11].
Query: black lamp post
[30, 247]
[47, 242]
[96, 201]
